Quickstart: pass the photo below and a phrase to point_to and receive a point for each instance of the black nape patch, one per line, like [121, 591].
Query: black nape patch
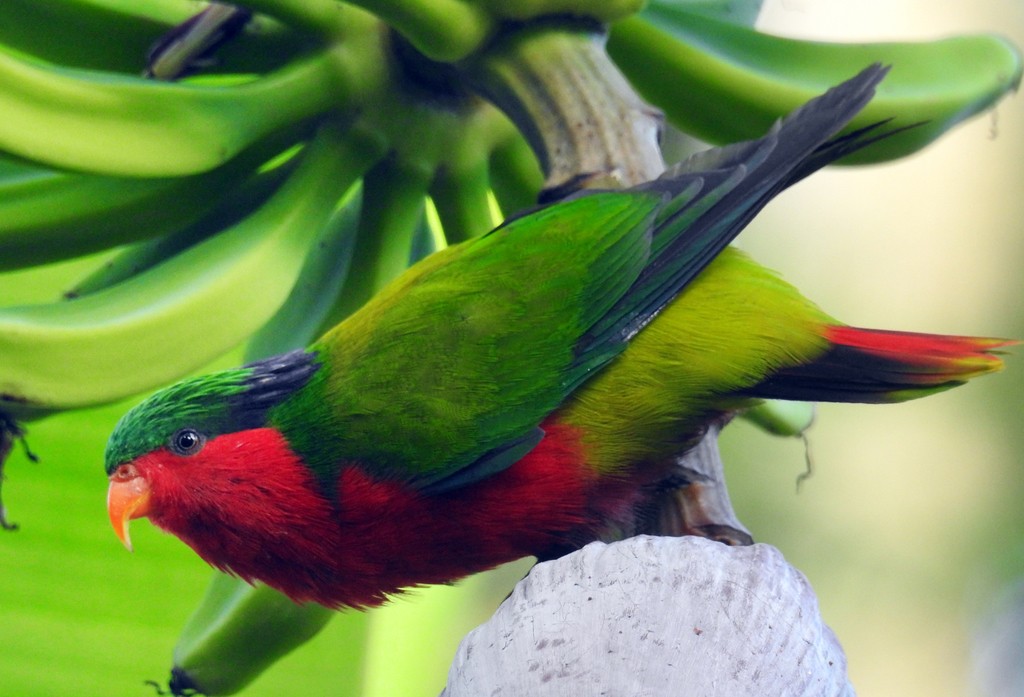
[270, 382]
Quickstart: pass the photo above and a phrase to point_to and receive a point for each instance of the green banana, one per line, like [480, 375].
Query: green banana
[239, 630]
[392, 211]
[236, 632]
[443, 30]
[515, 175]
[115, 124]
[14, 168]
[429, 237]
[141, 256]
[451, 30]
[780, 418]
[723, 82]
[177, 316]
[462, 199]
[301, 318]
[48, 215]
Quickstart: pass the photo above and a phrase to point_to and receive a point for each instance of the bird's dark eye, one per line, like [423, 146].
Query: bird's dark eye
[187, 441]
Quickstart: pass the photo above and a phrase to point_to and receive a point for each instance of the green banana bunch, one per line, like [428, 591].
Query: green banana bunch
[179, 314]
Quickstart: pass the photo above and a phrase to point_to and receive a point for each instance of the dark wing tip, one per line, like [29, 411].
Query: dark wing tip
[835, 107]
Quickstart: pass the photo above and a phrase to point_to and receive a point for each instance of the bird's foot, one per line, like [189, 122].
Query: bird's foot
[695, 501]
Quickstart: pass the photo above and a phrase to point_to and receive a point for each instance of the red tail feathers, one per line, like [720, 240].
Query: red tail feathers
[870, 365]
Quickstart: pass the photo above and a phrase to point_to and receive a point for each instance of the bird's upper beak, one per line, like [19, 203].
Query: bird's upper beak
[127, 498]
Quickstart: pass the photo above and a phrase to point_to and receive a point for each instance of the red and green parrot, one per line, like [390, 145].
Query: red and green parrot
[518, 394]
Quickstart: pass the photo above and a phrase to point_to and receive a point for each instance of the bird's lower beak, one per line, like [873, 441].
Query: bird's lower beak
[127, 498]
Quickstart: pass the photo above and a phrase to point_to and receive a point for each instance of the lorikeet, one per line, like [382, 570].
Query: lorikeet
[517, 394]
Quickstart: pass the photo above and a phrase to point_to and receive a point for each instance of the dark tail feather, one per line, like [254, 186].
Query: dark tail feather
[874, 366]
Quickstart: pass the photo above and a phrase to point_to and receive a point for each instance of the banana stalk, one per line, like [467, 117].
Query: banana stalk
[55, 30]
[190, 45]
[579, 142]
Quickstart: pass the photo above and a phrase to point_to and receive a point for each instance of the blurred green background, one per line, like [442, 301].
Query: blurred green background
[909, 529]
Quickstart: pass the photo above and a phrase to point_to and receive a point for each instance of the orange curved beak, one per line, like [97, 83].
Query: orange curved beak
[127, 498]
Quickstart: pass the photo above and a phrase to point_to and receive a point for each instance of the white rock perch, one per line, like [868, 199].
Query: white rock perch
[653, 617]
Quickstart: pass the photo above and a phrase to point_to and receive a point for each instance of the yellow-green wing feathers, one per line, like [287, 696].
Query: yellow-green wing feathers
[734, 324]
